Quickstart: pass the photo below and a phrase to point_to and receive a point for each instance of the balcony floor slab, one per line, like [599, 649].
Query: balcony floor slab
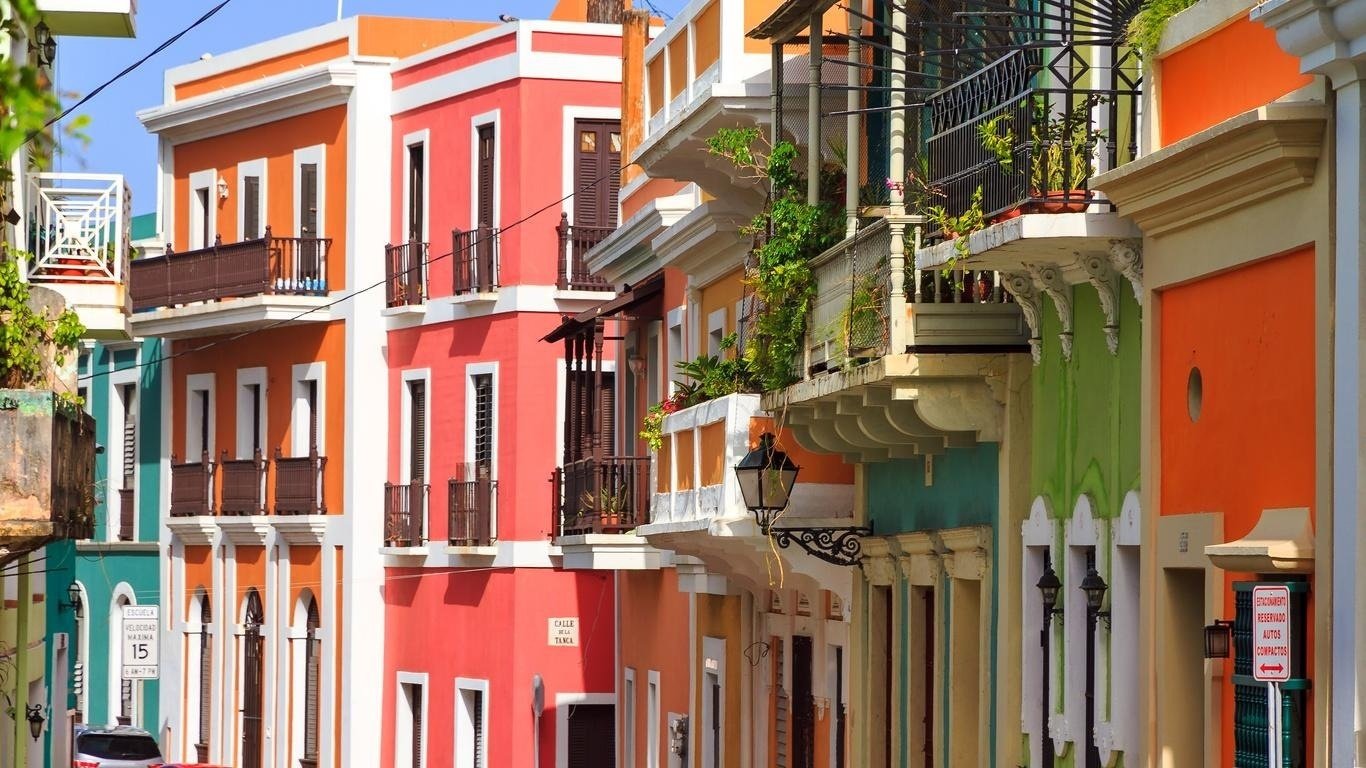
[1035, 239]
[231, 316]
[620, 552]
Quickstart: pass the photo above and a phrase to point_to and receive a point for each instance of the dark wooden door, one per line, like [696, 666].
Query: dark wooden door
[597, 166]
[309, 266]
[251, 207]
[253, 683]
[803, 705]
[417, 204]
[927, 670]
[592, 735]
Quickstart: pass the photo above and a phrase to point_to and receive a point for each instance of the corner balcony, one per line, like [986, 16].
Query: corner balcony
[1046, 228]
[701, 74]
[596, 506]
[899, 361]
[89, 18]
[697, 510]
[47, 470]
[76, 231]
[229, 288]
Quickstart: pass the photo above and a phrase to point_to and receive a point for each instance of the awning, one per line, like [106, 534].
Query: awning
[788, 19]
[1281, 542]
[625, 301]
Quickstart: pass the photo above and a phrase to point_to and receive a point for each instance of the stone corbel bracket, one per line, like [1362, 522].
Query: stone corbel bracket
[1103, 278]
[1126, 256]
[1021, 286]
[1049, 279]
[917, 559]
[968, 551]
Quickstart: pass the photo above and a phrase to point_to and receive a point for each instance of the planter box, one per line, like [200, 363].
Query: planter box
[47, 470]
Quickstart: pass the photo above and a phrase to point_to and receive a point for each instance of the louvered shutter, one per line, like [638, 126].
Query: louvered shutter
[613, 159]
[478, 717]
[592, 735]
[486, 153]
[313, 416]
[483, 419]
[607, 406]
[418, 716]
[587, 195]
[308, 200]
[417, 447]
[251, 207]
[130, 435]
[205, 673]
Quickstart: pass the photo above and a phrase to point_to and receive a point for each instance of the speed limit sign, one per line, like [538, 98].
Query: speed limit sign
[140, 642]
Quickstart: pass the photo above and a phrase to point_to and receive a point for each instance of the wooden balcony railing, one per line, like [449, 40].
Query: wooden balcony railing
[608, 495]
[192, 487]
[471, 504]
[404, 514]
[575, 243]
[243, 484]
[474, 259]
[405, 271]
[299, 484]
[268, 265]
[127, 514]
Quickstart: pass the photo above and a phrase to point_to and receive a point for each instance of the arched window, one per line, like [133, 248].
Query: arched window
[122, 694]
[205, 678]
[312, 682]
[82, 644]
[253, 681]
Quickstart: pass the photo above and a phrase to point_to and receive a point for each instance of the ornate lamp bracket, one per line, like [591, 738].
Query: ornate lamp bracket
[838, 546]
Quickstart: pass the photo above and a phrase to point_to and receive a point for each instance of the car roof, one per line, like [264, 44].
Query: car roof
[118, 730]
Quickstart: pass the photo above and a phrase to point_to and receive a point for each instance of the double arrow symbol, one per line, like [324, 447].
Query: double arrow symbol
[1277, 668]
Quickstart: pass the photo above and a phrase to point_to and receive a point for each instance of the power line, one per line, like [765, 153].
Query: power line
[653, 7]
[169, 42]
[474, 241]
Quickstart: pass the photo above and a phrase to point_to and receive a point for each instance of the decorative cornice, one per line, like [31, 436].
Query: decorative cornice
[301, 530]
[1126, 256]
[969, 551]
[1327, 36]
[198, 530]
[248, 530]
[1256, 155]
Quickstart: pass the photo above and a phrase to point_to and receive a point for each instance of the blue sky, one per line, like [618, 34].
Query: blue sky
[118, 142]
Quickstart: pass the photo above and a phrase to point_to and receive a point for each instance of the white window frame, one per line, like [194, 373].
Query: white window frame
[114, 695]
[193, 628]
[317, 155]
[423, 137]
[573, 113]
[199, 382]
[405, 457]
[675, 328]
[1120, 655]
[83, 653]
[629, 694]
[716, 331]
[298, 694]
[652, 717]
[472, 370]
[247, 168]
[714, 654]
[1082, 532]
[565, 702]
[205, 179]
[494, 118]
[118, 379]
[464, 721]
[301, 374]
[1037, 537]
[247, 378]
[403, 719]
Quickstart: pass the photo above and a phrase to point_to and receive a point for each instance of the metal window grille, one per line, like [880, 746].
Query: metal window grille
[483, 418]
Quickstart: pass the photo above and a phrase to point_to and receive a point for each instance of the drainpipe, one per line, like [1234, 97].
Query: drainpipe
[537, 707]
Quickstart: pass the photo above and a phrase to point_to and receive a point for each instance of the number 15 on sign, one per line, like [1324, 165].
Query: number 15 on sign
[140, 660]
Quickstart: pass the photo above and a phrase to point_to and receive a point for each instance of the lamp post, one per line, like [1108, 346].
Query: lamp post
[1094, 587]
[1049, 585]
[766, 477]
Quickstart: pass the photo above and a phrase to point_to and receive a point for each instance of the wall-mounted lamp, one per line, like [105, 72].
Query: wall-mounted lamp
[1094, 587]
[222, 189]
[73, 603]
[43, 45]
[678, 736]
[35, 720]
[1217, 637]
[635, 362]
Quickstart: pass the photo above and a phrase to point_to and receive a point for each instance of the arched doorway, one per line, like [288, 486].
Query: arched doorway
[253, 680]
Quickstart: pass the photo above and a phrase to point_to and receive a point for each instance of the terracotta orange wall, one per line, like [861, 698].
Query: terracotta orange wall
[198, 574]
[1250, 331]
[559, 42]
[277, 350]
[305, 573]
[816, 467]
[276, 143]
[648, 192]
[251, 573]
[399, 37]
[722, 294]
[719, 616]
[654, 636]
[265, 68]
[1232, 70]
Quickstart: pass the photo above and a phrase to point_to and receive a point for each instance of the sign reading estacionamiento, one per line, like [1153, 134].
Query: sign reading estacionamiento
[1271, 633]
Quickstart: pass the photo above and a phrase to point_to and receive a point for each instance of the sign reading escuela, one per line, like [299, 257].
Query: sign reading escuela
[140, 660]
[1271, 633]
[564, 631]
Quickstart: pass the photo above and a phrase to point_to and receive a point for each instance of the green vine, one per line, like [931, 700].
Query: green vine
[1144, 32]
[961, 226]
[27, 336]
[788, 232]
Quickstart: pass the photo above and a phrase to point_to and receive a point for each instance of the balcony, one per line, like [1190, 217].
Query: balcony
[76, 231]
[608, 495]
[474, 262]
[231, 287]
[89, 18]
[471, 505]
[247, 487]
[405, 274]
[1046, 228]
[244, 485]
[405, 515]
[299, 484]
[192, 487]
[47, 473]
[128, 511]
[575, 243]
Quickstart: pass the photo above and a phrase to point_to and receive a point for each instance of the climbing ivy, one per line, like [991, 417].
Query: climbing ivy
[787, 233]
[27, 336]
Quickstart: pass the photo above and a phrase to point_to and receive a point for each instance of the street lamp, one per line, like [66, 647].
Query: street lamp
[766, 477]
[1094, 587]
[35, 720]
[44, 46]
[73, 596]
[1049, 585]
[1217, 637]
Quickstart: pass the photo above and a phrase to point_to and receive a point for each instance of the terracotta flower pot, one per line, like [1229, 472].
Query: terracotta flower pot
[1062, 201]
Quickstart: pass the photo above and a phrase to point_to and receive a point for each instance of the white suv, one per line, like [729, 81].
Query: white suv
[120, 747]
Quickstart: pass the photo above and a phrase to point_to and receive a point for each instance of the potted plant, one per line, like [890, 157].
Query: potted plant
[1061, 149]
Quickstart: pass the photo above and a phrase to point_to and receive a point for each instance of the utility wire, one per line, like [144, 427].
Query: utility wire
[474, 241]
[169, 42]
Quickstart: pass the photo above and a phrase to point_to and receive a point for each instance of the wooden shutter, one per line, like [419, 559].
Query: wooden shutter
[251, 207]
[417, 431]
[607, 406]
[597, 166]
[253, 683]
[803, 705]
[130, 435]
[205, 673]
[477, 717]
[416, 202]
[485, 181]
[312, 676]
[204, 414]
[308, 200]
[418, 716]
[255, 418]
[592, 735]
[206, 237]
[313, 416]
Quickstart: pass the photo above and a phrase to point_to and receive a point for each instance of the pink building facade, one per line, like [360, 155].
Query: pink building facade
[504, 154]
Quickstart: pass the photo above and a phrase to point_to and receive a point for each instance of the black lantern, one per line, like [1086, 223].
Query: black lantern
[44, 46]
[1094, 587]
[766, 476]
[73, 596]
[35, 720]
[1217, 637]
[1049, 585]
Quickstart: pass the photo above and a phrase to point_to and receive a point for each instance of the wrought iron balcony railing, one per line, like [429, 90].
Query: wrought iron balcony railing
[575, 243]
[77, 228]
[474, 260]
[191, 487]
[405, 508]
[299, 484]
[1025, 131]
[608, 495]
[243, 484]
[268, 265]
[405, 272]
[471, 504]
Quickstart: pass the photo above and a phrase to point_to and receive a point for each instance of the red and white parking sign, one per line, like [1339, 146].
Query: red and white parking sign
[1271, 633]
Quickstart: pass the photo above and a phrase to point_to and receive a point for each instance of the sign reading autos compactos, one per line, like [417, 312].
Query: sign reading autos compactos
[1271, 633]
[140, 642]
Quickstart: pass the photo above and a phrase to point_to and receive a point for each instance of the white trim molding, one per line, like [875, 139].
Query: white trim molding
[494, 118]
[464, 723]
[410, 140]
[403, 716]
[255, 168]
